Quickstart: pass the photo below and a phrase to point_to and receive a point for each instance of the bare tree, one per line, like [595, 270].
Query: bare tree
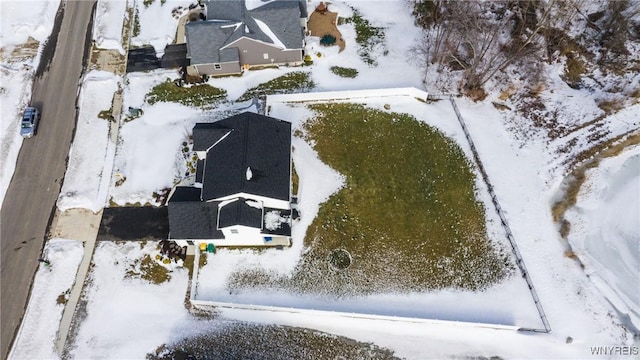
[482, 38]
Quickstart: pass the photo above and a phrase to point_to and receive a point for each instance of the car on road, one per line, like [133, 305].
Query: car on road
[30, 119]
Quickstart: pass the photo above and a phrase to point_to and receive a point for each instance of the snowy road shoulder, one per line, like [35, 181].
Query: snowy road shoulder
[88, 174]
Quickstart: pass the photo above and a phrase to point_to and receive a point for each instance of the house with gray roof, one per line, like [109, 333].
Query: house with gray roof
[238, 34]
[242, 192]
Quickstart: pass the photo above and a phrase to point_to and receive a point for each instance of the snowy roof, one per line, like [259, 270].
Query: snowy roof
[275, 22]
[257, 141]
[239, 212]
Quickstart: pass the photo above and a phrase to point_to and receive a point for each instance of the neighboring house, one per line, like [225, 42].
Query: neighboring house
[234, 37]
[241, 195]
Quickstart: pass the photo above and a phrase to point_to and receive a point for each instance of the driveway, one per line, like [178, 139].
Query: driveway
[30, 200]
[142, 59]
[145, 58]
[134, 223]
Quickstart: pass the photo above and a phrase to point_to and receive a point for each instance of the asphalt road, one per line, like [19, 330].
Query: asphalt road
[33, 191]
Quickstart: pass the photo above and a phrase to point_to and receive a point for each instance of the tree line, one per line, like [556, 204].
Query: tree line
[482, 38]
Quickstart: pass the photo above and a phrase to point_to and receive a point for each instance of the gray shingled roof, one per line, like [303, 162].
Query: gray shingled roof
[256, 141]
[239, 213]
[199, 172]
[259, 142]
[283, 18]
[225, 10]
[205, 38]
[207, 134]
[190, 218]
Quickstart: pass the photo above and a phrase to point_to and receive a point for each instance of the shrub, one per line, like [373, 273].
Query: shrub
[344, 72]
[308, 60]
[573, 70]
[136, 24]
[195, 95]
[328, 40]
[288, 83]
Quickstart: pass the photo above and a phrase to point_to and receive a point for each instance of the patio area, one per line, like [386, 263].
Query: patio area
[323, 22]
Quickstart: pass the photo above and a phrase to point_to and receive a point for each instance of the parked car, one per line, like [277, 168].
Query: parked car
[30, 119]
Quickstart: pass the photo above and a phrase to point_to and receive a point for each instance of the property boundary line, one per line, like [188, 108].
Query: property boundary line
[291, 310]
[503, 220]
[345, 95]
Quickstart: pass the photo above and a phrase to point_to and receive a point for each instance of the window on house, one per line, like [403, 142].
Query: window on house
[265, 56]
[234, 231]
[217, 66]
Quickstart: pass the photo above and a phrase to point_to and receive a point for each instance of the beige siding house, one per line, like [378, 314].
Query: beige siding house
[233, 38]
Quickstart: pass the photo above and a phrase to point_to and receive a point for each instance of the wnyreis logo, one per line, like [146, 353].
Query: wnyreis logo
[615, 350]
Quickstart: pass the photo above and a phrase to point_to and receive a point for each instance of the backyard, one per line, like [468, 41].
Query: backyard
[406, 220]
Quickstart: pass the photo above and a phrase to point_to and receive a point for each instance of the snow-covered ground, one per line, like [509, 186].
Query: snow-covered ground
[107, 29]
[122, 308]
[91, 156]
[524, 171]
[158, 22]
[605, 231]
[16, 73]
[37, 334]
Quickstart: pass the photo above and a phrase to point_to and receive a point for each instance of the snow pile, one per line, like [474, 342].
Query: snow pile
[13, 100]
[107, 30]
[88, 173]
[273, 220]
[605, 231]
[21, 21]
[37, 335]
[254, 204]
[16, 27]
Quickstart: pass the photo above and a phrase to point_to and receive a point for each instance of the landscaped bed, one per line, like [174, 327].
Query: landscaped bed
[406, 219]
[291, 82]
